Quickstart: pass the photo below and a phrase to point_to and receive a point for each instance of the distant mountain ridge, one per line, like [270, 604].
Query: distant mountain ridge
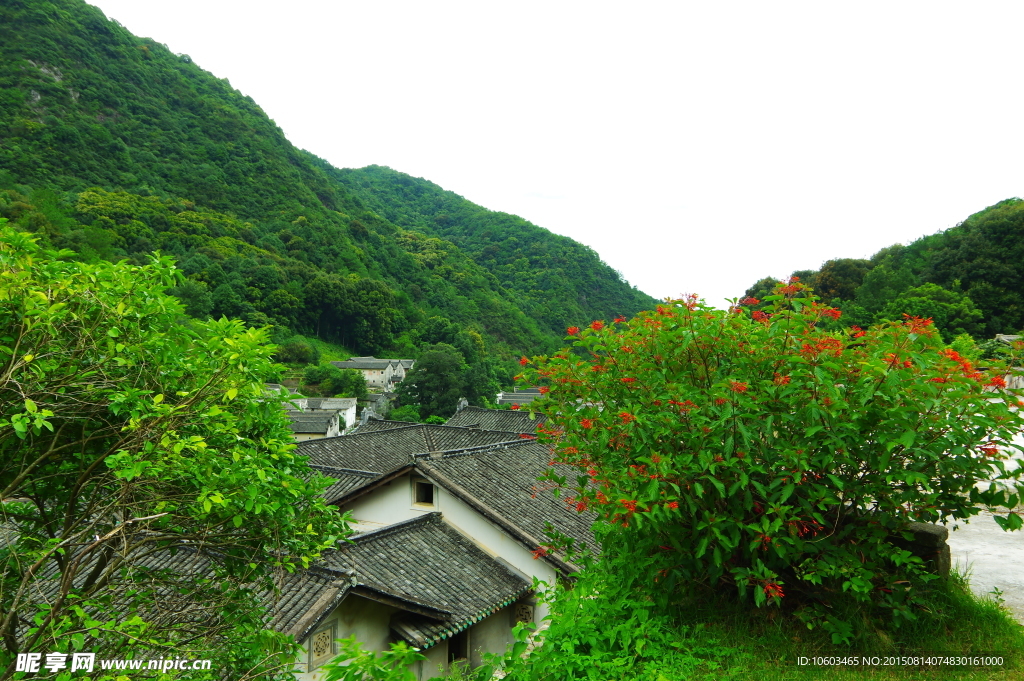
[969, 278]
[113, 146]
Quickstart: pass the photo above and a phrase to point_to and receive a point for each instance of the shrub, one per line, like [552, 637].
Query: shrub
[759, 452]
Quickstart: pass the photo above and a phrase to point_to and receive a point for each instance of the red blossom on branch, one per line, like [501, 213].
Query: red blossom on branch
[544, 390]
[539, 552]
[573, 330]
[626, 417]
[597, 325]
[672, 504]
[738, 386]
[587, 423]
[523, 361]
[749, 300]
[514, 407]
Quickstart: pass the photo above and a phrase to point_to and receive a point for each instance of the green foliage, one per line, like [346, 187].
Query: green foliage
[952, 311]
[335, 382]
[978, 266]
[297, 350]
[406, 412]
[129, 434]
[115, 147]
[355, 664]
[558, 281]
[762, 452]
[436, 382]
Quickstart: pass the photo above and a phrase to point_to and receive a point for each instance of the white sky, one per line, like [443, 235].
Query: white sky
[696, 146]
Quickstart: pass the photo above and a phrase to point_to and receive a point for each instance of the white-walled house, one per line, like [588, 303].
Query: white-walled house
[449, 519]
[379, 373]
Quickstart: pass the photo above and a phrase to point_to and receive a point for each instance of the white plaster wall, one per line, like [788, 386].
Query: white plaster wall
[302, 437]
[388, 504]
[437, 660]
[492, 539]
[392, 503]
[368, 621]
[491, 635]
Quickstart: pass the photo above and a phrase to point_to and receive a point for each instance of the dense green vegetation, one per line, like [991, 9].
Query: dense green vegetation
[553, 277]
[112, 146]
[968, 278]
[131, 438]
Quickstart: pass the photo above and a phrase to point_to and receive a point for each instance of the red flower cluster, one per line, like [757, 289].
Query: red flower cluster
[628, 504]
[597, 325]
[587, 423]
[573, 330]
[996, 382]
[544, 390]
[539, 552]
[527, 436]
[989, 450]
[965, 364]
[684, 406]
[626, 417]
[523, 361]
[665, 311]
[781, 380]
[628, 380]
[514, 407]
[773, 590]
[832, 312]
[720, 401]
[738, 386]
[759, 316]
[857, 332]
[672, 504]
[826, 345]
[750, 301]
[620, 318]
[917, 325]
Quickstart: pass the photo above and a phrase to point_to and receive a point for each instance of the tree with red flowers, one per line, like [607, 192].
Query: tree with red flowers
[764, 453]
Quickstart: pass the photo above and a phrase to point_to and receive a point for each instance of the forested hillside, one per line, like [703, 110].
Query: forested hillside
[969, 278]
[113, 146]
[553, 277]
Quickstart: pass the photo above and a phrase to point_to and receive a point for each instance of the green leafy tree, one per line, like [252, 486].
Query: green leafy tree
[132, 440]
[762, 452]
[953, 312]
[436, 382]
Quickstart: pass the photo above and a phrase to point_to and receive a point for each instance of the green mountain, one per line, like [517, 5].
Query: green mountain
[113, 146]
[553, 277]
[969, 278]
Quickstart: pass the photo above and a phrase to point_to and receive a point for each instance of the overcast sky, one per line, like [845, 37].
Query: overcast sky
[696, 146]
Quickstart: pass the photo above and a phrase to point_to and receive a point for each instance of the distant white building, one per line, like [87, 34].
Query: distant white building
[379, 373]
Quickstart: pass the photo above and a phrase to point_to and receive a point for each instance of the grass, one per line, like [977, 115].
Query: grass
[765, 644]
[615, 636]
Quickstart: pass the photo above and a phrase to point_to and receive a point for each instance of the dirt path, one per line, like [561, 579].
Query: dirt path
[992, 558]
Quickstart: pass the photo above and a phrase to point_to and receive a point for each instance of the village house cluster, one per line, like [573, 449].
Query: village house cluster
[448, 521]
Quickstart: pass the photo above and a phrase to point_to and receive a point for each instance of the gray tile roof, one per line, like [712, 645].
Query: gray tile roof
[383, 451]
[305, 422]
[373, 424]
[345, 480]
[501, 483]
[330, 403]
[365, 363]
[426, 562]
[496, 419]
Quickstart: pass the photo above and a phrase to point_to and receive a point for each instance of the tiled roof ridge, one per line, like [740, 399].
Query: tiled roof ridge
[517, 533]
[475, 449]
[432, 518]
[345, 471]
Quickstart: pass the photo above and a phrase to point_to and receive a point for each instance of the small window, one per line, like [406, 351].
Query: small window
[422, 493]
[322, 648]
